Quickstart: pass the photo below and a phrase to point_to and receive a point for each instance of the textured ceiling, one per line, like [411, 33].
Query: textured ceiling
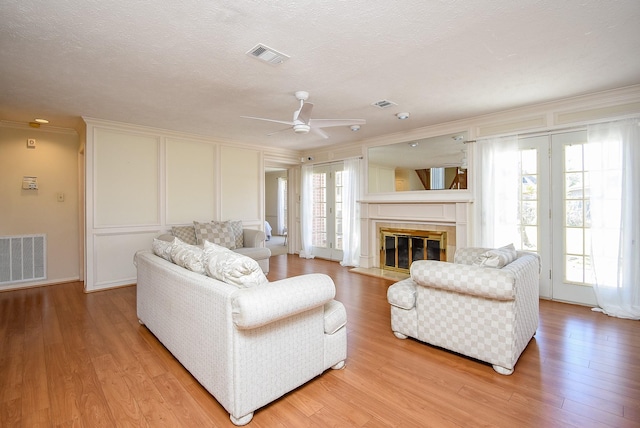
[181, 64]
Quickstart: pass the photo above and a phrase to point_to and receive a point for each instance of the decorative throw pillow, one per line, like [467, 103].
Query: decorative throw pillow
[187, 256]
[184, 233]
[236, 226]
[497, 258]
[217, 233]
[162, 248]
[232, 268]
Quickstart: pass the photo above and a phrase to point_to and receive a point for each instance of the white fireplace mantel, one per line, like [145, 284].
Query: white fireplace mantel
[409, 213]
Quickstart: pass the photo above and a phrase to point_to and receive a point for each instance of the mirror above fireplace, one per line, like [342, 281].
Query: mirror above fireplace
[435, 163]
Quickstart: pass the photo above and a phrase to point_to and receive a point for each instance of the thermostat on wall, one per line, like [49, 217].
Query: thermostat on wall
[30, 183]
[31, 143]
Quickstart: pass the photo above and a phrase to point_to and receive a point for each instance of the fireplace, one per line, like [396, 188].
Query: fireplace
[400, 247]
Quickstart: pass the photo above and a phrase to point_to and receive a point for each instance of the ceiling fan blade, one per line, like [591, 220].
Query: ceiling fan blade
[320, 132]
[327, 123]
[277, 132]
[305, 112]
[269, 120]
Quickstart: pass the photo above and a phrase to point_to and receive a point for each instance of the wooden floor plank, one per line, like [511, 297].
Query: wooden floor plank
[74, 359]
[119, 397]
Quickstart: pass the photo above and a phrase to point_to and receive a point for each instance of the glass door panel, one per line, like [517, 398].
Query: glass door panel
[572, 277]
[327, 211]
[533, 205]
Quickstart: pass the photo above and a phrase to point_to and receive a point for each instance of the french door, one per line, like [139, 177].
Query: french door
[554, 214]
[534, 205]
[574, 280]
[327, 211]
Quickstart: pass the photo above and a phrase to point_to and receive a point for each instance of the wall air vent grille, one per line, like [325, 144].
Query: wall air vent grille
[382, 104]
[268, 55]
[22, 258]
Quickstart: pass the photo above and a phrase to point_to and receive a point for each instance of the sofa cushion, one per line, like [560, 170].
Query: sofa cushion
[257, 253]
[217, 233]
[233, 268]
[162, 248]
[497, 258]
[186, 234]
[187, 256]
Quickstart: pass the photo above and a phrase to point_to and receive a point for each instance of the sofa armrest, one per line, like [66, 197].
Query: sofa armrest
[168, 237]
[402, 294]
[335, 316]
[257, 306]
[253, 238]
[480, 281]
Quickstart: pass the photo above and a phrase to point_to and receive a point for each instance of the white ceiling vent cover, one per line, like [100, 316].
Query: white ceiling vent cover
[266, 54]
[384, 104]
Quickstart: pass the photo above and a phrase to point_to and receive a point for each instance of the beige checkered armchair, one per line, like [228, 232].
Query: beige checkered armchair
[484, 313]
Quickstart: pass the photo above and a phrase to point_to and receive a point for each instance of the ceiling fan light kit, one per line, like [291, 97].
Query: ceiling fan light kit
[301, 129]
[302, 122]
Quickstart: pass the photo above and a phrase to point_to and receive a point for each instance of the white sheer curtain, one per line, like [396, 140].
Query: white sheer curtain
[436, 180]
[306, 212]
[281, 202]
[499, 191]
[613, 162]
[351, 212]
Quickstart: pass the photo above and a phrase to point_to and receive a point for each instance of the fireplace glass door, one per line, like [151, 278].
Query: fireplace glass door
[401, 247]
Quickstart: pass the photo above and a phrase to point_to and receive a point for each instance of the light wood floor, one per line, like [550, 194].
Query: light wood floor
[74, 359]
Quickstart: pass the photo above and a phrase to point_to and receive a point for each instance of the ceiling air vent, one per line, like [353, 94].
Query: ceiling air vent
[266, 54]
[384, 104]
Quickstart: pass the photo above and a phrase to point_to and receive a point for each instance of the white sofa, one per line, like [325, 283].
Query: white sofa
[484, 313]
[248, 242]
[246, 346]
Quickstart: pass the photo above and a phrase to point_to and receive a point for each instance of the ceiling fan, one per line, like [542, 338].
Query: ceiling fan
[302, 122]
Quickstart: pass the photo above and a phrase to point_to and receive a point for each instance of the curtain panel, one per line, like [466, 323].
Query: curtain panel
[306, 212]
[351, 212]
[613, 164]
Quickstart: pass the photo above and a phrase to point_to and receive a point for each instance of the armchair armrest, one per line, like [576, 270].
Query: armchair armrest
[491, 283]
[257, 306]
[253, 238]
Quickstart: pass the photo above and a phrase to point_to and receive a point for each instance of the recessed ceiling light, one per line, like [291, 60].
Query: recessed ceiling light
[355, 128]
[413, 144]
[402, 116]
[41, 120]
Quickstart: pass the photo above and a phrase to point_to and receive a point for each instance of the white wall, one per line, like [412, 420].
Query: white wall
[242, 185]
[381, 179]
[54, 161]
[142, 181]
